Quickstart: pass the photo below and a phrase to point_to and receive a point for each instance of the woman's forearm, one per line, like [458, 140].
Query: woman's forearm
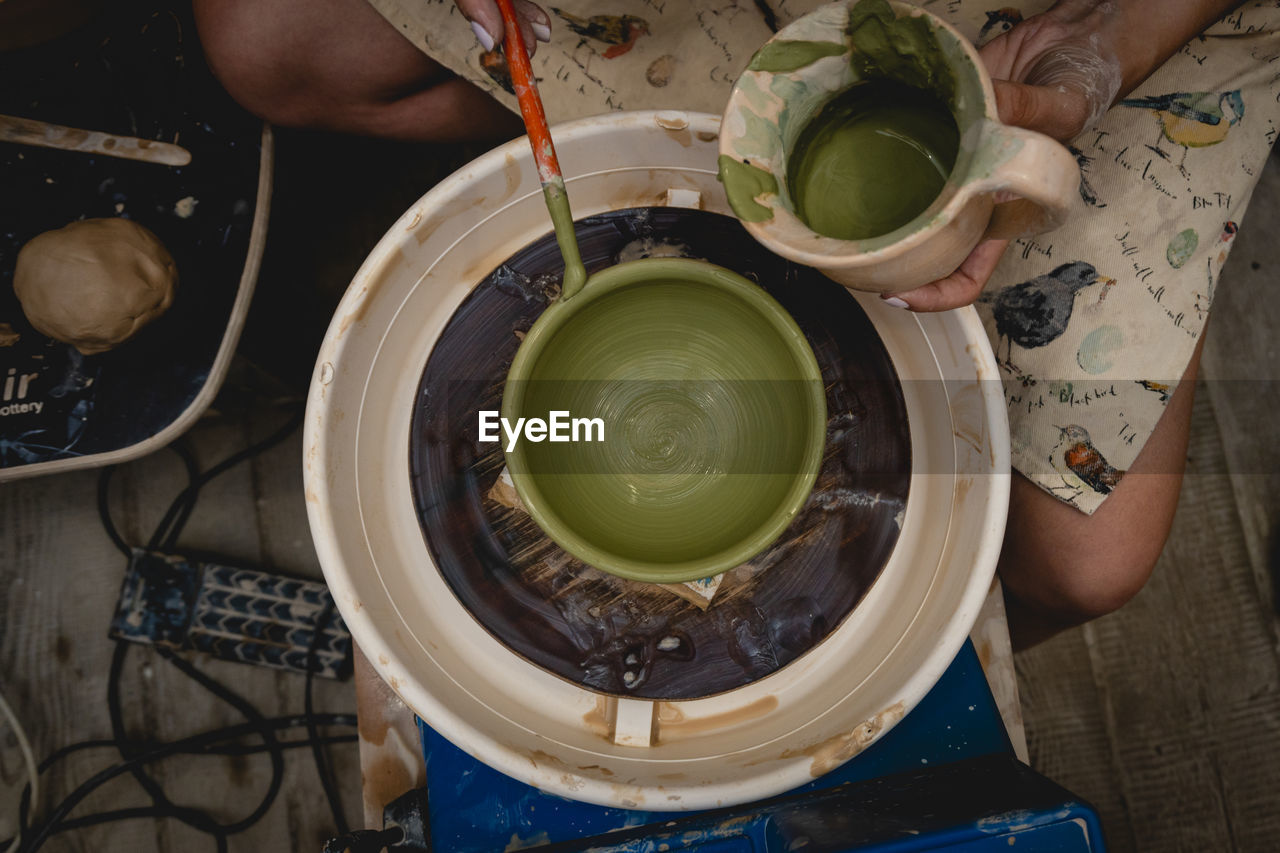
[1142, 34]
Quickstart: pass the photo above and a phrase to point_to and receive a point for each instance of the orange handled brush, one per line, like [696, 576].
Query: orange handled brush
[544, 151]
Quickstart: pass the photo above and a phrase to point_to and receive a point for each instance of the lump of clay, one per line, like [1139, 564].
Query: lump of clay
[94, 283]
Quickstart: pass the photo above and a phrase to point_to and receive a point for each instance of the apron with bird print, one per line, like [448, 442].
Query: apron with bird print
[1093, 324]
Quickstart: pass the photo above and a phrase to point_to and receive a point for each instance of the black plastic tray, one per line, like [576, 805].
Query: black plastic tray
[136, 71]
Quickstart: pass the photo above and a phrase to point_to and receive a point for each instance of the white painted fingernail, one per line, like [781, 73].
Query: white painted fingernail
[482, 36]
[541, 32]
[895, 302]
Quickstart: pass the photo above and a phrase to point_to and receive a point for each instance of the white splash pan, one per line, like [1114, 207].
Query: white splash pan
[753, 742]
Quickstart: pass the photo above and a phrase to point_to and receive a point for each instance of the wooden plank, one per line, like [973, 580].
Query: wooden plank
[285, 542]
[990, 638]
[1242, 365]
[1066, 732]
[283, 530]
[61, 581]
[391, 759]
[1190, 678]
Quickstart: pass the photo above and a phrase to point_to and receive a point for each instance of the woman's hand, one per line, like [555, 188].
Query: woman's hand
[1054, 73]
[486, 22]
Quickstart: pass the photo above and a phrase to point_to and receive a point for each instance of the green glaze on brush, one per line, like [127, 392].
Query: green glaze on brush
[714, 414]
[575, 274]
[872, 160]
[742, 183]
[779, 56]
[904, 49]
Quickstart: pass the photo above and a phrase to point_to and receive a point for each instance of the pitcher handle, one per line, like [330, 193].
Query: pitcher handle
[1037, 169]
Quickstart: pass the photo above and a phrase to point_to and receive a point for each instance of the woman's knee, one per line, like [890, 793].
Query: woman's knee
[1072, 568]
[1076, 587]
[248, 50]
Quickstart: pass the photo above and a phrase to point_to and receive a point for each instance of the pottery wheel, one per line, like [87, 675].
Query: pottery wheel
[616, 636]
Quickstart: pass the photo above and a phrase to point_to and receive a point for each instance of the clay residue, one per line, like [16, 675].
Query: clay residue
[673, 722]
[184, 208]
[671, 121]
[449, 211]
[373, 282]
[684, 137]
[538, 839]
[596, 768]
[385, 779]
[904, 49]
[648, 247]
[8, 337]
[504, 493]
[510, 171]
[600, 718]
[972, 440]
[783, 56]
[625, 794]
[744, 183]
[830, 754]
[676, 126]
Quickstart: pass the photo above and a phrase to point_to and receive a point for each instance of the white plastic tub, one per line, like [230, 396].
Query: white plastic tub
[756, 741]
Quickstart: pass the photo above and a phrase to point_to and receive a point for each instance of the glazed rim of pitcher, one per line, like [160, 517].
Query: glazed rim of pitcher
[600, 286]
[768, 109]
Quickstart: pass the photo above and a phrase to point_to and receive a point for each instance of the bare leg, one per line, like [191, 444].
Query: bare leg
[1061, 568]
[338, 65]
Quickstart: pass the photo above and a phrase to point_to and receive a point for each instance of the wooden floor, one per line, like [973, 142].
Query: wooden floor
[1166, 715]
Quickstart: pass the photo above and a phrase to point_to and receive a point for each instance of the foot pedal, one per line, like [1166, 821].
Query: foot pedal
[232, 613]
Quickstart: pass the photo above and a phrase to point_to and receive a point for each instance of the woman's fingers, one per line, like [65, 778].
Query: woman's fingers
[486, 22]
[1059, 112]
[539, 21]
[960, 288]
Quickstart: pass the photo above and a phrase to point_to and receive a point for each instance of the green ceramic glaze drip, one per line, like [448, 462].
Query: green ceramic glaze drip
[780, 56]
[742, 183]
[575, 274]
[903, 49]
[872, 160]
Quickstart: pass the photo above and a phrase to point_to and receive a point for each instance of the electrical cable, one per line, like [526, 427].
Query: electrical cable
[323, 769]
[170, 526]
[202, 743]
[33, 774]
[104, 513]
[164, 751]
[135, 756]
[193, 817]
[152, 811]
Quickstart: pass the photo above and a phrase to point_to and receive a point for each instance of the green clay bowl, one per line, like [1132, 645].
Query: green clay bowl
[714, 415]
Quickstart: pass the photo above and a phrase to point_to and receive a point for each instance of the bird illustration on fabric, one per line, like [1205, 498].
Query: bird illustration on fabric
[494, 63]
[1161, 388]
[999, 22]
[620, 32]
[1192, 119]
[1080, 464]
[1036, 312]
[1213, 265]
[1087, 193]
